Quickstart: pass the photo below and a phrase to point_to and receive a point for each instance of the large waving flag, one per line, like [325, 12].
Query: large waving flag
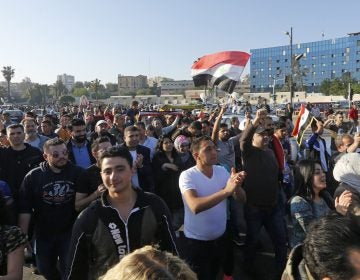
[222, 69]
[302, 123]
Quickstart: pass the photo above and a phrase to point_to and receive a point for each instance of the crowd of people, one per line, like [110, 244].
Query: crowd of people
[108, 193]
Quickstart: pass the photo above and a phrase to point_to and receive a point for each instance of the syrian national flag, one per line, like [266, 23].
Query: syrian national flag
[302, 123]
[222, 69]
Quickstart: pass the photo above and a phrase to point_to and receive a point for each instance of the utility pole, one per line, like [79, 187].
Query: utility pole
[291, 78]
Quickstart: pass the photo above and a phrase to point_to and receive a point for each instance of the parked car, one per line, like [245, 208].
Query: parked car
[15, 115]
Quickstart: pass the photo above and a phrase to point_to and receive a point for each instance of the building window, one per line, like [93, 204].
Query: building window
[307, 50]
[358, 43]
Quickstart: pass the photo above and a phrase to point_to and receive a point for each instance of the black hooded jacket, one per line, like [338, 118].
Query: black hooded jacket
[101, 237]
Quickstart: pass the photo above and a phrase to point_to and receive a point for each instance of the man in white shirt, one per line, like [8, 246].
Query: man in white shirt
[204, 189]
[147, 141]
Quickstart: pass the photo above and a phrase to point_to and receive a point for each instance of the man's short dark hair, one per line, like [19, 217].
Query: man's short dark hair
[30, 115]
[223, 125]
[14, 126]
[47, 122]
[98, 141]
[327, 245]
[134, 103]
[131, 128]
[206, 122]
[339, 113]
[116, 151]
[52, 142]
[234, 119]
[195, 144]
[196, 125]
[314, 123]
[141, 124]
[75, 122]
[279, 125]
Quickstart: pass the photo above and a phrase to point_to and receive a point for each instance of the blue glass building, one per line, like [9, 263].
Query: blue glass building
[326, 59]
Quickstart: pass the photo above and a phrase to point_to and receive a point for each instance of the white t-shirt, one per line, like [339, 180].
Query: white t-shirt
[209, 224]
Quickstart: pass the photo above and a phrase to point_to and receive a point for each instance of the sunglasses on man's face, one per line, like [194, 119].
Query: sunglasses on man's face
[56, 154]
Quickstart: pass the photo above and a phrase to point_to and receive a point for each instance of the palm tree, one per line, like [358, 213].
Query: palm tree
[95, 85]
[8, 72]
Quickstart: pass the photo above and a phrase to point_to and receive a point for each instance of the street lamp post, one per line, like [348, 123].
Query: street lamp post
[291, 64]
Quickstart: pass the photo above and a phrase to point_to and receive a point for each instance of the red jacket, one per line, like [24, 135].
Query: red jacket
[353, 114]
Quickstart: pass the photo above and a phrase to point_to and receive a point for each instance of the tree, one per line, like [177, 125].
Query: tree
[299, 73]
[111, 87]
[78, 92]
[325, 86]
[35, 94]
[8, 73]
[95, 86]
[60, 89]
[155, 90]
[78, 85]
[24, 86]
[66, 99]
[87, 85]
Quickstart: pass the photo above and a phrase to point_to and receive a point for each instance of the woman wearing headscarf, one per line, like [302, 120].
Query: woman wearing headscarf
[347, 172]
[182, 146]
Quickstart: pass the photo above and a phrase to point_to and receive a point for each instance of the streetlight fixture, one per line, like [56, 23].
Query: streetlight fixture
[291, 64]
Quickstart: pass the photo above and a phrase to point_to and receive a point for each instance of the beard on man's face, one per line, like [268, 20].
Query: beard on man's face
[103, 133]
[80, 138]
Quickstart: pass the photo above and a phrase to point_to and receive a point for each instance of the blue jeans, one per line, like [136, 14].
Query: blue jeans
[49, 249]
[273, 221]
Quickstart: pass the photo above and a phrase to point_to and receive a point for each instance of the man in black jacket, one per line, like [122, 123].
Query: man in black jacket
[48, 194]
[18, 159]
[143, 177]
[124, 219]
[90, 185]
[264, 198]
